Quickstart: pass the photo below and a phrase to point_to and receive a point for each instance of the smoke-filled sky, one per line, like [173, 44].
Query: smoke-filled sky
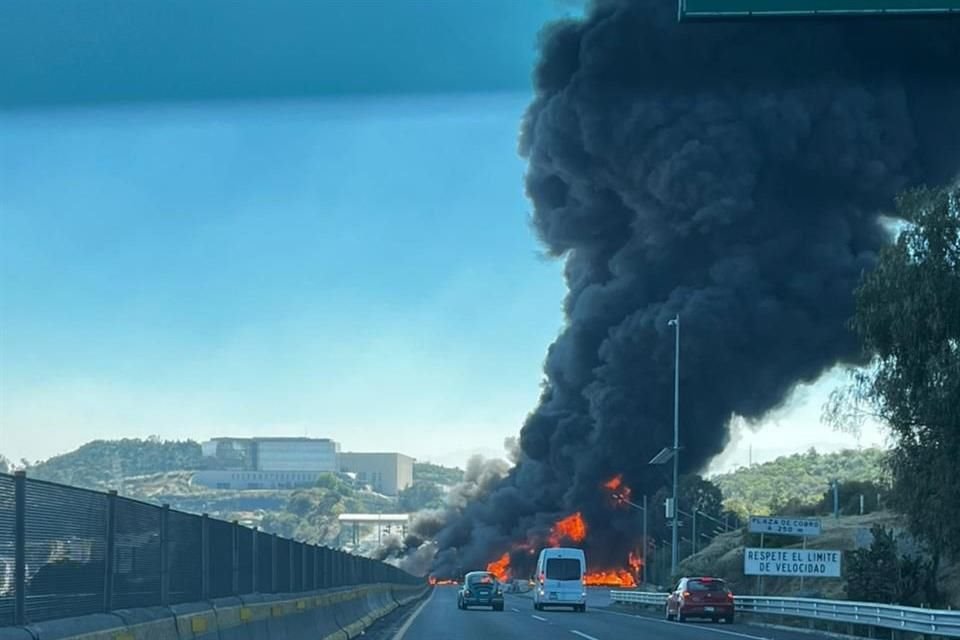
[339, 266]
[732, 173]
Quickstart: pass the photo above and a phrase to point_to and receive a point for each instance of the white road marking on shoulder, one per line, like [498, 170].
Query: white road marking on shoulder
[514, 610]
[582, 634]
[538, 618]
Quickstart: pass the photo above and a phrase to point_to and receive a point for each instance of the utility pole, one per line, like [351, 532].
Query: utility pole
[646, 545]
[694, 532]
[622, 498]
[674, 555]
[835, 485]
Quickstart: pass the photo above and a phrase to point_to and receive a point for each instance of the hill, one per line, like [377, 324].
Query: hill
[104, 464]
[801, 478]
[437, 474]
[161, 472]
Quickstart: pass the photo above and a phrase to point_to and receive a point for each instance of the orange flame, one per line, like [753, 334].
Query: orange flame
[571, 528]
[635, 562]
[501, 568]
[612, 578]
[618, 491]
[433, 582]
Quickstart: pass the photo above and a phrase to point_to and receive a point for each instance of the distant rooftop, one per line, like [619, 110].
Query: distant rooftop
[270, 439]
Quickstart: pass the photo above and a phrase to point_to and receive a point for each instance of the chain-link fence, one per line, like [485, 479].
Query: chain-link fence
[66, 551]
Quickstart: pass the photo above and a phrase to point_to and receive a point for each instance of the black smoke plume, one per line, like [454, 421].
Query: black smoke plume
[732, 173]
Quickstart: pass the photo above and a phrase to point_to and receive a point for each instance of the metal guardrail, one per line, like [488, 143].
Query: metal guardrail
[930, 621]
[639, 597]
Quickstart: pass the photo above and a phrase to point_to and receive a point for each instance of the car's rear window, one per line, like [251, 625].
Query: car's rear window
[706, 585]
[481, 578]
[563, 569]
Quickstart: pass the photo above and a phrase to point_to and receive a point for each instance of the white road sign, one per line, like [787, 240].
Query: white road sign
[785, 525]
[812, 563]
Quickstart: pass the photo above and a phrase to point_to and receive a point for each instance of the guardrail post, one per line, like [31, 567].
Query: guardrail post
[274, 565]
[110, 551]
[20, 547]
[164, 556]
[235, 557]
[205, 556]
[255, 588]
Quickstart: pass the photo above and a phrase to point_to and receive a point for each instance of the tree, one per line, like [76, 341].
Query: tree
[848, 494]
[4, 464]
[437, 474]
[908, 318]
[879, 573]
[692, 491]
[421, 495]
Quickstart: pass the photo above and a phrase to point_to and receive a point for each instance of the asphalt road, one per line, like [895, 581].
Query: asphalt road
[439, 619]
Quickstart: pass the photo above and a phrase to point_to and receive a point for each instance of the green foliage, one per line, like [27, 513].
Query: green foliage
[916, 386]
[908, 318]
[437, 474]
[103, 464]
[879, 573]
[310, 515]
[421, 495]
[693, 492]
[799, 480]
[848, 496]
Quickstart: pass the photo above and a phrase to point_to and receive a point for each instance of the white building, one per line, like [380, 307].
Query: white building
[267, 463]
[388, 473]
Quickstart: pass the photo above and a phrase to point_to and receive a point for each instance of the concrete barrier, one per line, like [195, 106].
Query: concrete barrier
[230, 624]
[14, 633]
[406, 594]
[325, 623]
[336, 614]
[350, 609]
[195, 621]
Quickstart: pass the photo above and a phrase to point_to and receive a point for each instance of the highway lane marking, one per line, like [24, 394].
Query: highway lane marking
[582, 634]
[514, 610]
[406, 625]
[538, 618]
[736, 634]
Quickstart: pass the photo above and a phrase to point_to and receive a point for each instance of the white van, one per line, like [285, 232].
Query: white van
[559, 580]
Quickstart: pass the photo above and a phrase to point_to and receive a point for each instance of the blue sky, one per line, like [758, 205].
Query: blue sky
[344, 256]
[359, 269]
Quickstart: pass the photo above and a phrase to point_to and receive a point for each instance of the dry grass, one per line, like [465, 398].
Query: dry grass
[724, 557]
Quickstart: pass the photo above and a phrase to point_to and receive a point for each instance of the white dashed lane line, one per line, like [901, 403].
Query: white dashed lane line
[582, 634]
[538, 618]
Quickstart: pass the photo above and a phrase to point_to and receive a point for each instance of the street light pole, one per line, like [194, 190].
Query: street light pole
[674, 555]
[646, 544]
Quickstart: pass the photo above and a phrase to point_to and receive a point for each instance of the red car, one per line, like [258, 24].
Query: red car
[701, 598]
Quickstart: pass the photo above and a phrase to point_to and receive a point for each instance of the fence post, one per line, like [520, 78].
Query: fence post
[316, 567]
[19, 547]
[205, 556]
[256, 560]
[235, 557]
[304, 551]
[290, 563]
[110, 552]
[274, 565]
[164, 556]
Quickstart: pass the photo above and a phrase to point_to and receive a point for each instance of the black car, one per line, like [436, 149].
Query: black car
[480, 589]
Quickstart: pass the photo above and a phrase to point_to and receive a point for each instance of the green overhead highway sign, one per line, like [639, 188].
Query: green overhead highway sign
[717, 9]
